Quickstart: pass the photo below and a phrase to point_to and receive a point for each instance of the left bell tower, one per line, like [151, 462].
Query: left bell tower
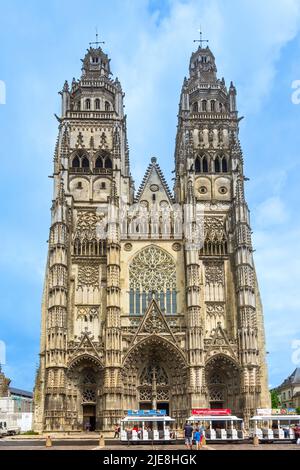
[91, 167]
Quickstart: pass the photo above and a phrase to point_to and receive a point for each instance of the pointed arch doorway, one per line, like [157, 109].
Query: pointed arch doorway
[154, 387]
[222, 376]
[154, 375]
[84, 384]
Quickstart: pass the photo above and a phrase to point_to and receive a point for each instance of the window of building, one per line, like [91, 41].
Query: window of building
[152, 274]
[99, 162]
[85, 163]
[217, 165]
[195, 107]
[224, 165]
[87, 103]
[212, 105]
[103, 161]
[107, 163]
[97, 103]
[107, 106]
[75, 162]
[201, 164]
[204, 105]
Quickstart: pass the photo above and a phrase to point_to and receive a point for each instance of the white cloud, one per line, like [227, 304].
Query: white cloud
[271, 212]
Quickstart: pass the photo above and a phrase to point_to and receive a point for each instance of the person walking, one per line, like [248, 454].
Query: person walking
[202, 435]
[117, 431]
[197, 438]
[188, 435]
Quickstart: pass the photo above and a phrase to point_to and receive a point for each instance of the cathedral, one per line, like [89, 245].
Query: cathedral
[151, 299]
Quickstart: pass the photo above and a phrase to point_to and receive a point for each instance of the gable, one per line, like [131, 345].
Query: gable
[154, 188]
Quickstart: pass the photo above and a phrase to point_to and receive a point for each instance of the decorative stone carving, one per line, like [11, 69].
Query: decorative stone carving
[176, 246]
[154, 323]
[87, 312]
[86, 224]
[214, 272]
[88, 275]
[103, 141]
[80, 142]
[128, 246]
[214, 308]
[213, 228]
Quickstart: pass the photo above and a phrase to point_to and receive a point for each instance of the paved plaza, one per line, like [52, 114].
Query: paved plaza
[63, 443]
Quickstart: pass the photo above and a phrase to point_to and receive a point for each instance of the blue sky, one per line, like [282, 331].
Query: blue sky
[256, 44]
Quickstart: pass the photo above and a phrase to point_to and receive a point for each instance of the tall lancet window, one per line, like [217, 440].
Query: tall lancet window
[152, 275]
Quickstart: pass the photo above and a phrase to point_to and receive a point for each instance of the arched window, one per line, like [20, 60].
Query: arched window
[212, 105]
[103, 185]
[152, 274]
[204, 105]
[107, 163]
[195, 107]
[220, 107]
[97, 103]
[224, 165]
[85, 163]
[75, 162]
[87, 103]
[78, 105]
[217, 165]
[107, 106]
[99, 163]
[201, 165]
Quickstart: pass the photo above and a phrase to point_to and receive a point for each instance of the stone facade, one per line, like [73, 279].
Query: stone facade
[151, 298]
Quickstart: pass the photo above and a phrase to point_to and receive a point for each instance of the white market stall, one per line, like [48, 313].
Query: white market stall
[275, 425]
[218, 424]
[147, 425]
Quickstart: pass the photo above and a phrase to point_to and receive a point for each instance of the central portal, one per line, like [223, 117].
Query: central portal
[155, 377]
[154, 388]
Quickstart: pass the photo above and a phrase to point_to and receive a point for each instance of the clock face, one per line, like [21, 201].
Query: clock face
[154, 188]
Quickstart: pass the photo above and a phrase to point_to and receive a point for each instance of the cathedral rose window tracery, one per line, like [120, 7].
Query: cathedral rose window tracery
[152, 274]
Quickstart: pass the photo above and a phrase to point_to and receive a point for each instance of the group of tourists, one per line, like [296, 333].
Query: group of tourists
[194, 435]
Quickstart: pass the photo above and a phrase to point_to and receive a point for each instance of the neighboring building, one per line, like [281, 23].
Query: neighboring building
[137, 314]
[16, 406]
[289, 390]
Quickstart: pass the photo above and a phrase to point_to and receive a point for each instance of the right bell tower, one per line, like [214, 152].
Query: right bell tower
[225, 341]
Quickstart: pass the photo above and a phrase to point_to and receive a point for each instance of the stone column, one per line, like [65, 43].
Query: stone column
[112, 391]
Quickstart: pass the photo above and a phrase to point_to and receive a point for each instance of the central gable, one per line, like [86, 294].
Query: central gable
[154, 188]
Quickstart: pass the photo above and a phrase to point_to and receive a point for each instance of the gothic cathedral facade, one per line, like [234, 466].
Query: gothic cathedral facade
[138, 311]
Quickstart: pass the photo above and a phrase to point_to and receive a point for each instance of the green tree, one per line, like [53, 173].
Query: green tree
[298, 410]
[275, 400]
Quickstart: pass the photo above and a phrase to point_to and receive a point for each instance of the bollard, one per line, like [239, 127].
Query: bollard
[48, 441]
[101, 441]
[255, 441]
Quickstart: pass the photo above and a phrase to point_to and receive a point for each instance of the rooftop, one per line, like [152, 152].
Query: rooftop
[293, 379]
[20, 393]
